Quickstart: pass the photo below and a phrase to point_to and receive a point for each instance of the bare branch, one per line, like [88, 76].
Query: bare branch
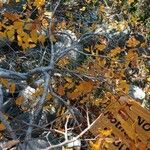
[12, 75]
[75, 138]
[66, 127]
[2, 118]
[39, 105]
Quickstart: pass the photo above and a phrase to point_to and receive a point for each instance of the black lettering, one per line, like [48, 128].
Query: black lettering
[122, 130]
[121, 146]
[118, 125]
[108, 112]
[140, 121]
[109, 115]
[146, 126]
[125, 134]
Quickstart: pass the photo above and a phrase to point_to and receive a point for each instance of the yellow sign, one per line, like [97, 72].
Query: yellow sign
[130, 124]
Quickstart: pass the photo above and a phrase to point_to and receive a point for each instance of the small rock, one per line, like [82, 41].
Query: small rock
[75, 144]
[29, 99]
[137, 93]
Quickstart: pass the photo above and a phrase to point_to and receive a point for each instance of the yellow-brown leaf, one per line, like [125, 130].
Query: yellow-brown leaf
[42, 39]
[34, 36]
[74, 95]
[12, 88]
[61, 90]
[4, 82]
[19, 101]
[132, 42]
[39, 91]
[18, 25]
[100, 47]
[2, 127]
[49, 96]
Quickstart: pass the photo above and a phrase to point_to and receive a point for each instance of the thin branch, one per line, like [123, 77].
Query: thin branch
[79, 75]
[66, 127]
[1, 97]
[58, 97]
[65, 51]
[2, 118]
[50, 36]
[39, 105]
[88, 119]
[75, 138]
[41, 127]
[12, 74]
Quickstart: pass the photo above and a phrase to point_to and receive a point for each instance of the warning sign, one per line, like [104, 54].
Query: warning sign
[130, 124]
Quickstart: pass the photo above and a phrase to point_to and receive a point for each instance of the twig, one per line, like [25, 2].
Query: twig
[40, 105]
[75, 138]
[66, 127]
[1, 97]
[2, 118]
[50, 36]
[58, 97]
[88, 119]
[12, 74]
